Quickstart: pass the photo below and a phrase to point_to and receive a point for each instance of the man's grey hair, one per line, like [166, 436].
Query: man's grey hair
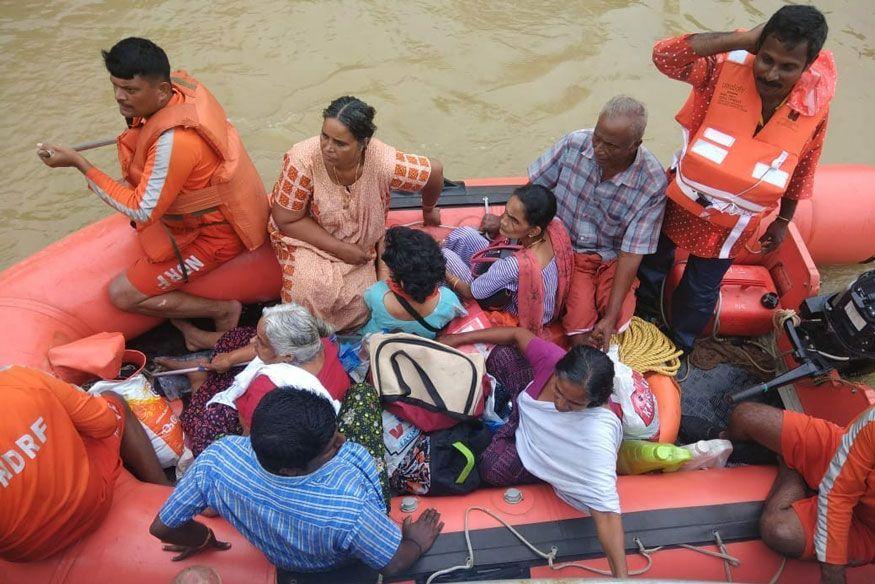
[625, 106]
[292, 331]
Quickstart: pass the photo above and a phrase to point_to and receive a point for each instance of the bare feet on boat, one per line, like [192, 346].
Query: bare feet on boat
[230, 317]
[196, 339]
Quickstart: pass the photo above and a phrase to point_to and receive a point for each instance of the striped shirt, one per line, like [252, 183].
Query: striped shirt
[505, 274]
[310, 523]
[847, 490]
[604, 217]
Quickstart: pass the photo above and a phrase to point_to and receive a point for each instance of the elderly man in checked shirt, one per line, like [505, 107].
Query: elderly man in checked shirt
[611, 196]
[300, 493]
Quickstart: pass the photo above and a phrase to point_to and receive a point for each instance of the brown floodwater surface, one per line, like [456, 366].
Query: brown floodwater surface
[483, 86]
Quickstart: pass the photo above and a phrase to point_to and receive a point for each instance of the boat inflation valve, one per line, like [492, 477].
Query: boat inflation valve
[513, 496]
[770, 300]
[409, 504]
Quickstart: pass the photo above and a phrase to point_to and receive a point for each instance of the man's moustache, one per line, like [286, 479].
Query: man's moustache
[774, 84]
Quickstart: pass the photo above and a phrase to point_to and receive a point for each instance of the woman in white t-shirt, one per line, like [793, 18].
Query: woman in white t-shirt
[561, 431]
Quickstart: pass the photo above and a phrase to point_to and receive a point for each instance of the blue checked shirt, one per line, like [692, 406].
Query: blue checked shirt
[309, 523]
[623, 213]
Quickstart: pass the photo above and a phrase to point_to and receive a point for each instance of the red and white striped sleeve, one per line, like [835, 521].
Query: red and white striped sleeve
[169, 163]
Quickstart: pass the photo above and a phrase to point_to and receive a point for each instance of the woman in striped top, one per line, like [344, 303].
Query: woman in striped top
[537, 276]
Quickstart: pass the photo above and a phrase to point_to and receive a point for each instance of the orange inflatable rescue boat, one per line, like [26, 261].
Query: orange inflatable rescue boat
[705, 523]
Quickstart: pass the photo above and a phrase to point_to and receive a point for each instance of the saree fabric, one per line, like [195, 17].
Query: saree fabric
[312, 277]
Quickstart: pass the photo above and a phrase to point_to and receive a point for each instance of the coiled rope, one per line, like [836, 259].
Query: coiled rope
[643, 347]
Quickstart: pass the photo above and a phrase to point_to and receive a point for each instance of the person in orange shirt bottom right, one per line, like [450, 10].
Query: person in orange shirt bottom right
[61, 452]
[822, 504]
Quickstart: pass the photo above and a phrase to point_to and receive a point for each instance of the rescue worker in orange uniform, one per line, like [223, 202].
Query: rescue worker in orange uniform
[61, 453]
[837, 524]
[189, 187]
[753, 129]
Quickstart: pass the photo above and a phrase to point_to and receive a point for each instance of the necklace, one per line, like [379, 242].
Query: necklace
[533, 242]
[335, 178]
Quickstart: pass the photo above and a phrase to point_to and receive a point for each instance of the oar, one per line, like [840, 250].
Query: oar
[180, 371]
[94, 144]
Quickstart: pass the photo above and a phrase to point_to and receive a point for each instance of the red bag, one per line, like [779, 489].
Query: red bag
[429, 421]
[475, 320]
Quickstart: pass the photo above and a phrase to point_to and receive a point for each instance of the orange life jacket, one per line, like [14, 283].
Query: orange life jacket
[725, 173]
[235, 188]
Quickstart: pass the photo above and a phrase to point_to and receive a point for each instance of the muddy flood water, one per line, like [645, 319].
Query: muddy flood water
[483, 86]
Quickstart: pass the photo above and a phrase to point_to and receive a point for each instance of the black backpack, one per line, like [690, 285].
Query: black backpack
[454, 455]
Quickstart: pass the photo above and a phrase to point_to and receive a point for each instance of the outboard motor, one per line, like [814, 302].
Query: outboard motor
[836, 332]
[850, 325]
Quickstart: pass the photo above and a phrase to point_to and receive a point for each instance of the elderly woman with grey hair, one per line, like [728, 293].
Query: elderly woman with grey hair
[286, 333]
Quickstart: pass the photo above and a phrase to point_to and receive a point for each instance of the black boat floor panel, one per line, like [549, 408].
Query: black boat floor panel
[456, 195]
[576, 538]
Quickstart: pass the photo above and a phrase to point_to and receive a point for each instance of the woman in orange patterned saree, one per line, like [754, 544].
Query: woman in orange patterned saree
[329, 207]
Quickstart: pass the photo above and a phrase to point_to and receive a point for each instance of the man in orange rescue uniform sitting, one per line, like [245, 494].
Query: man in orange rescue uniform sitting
[61, 451]
[837, 524]
[190, 188]
[753, 128]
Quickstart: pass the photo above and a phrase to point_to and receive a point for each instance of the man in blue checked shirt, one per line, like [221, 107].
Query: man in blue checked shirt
[309, 500]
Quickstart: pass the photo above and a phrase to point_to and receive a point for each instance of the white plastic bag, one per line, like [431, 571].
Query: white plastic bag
[633, 401]
[158, 420]
[492, 420]
[184, 463]
[708, 454]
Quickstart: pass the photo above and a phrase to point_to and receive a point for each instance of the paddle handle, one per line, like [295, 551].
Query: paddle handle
[94, 144]
[179, 371]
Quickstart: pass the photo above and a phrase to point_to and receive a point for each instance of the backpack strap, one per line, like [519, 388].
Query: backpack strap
[412, 312]
[469, 461]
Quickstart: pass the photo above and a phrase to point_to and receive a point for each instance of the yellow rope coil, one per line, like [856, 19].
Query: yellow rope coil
[644, 348]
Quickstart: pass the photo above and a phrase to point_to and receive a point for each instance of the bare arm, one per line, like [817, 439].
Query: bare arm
[627, 267]
[777, 230]
[431, 191]
[493, 336]
[300, 225]
[706, 44]
[408, 552]
[190, 534]
[458, 285]
[188, 539]
[609, 528]
[242, 355]
[382, 268]
[417, 538]
[224, 361]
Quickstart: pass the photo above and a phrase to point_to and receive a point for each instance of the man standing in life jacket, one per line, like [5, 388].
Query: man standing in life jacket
[753, 129]
[189, 187]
